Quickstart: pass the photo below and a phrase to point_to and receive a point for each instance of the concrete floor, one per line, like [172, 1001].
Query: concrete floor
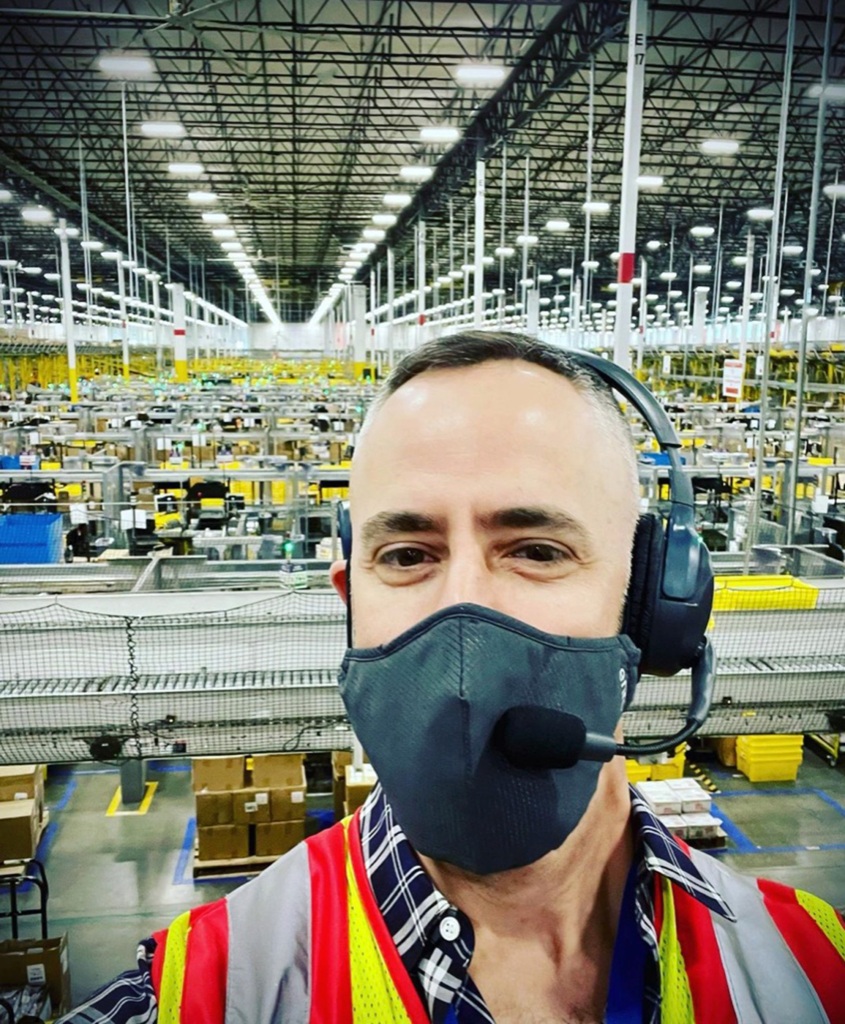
[114, 880]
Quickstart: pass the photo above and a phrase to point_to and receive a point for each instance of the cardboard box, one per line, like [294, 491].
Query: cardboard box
[277, 771]
[223, 842]
[218, 774]
[38, 961]
[359, 782]
[277, 837]
[21, 782]
[251, 806]
[214, 809]
[18, 829]
[287, 804]
[660, 798]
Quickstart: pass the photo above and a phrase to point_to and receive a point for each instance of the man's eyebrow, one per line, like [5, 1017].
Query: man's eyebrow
[534, 517]
[398, 522]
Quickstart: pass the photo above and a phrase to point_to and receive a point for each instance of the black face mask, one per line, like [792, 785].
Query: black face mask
[427, 707]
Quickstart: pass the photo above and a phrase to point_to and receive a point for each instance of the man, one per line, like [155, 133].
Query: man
[493, 506]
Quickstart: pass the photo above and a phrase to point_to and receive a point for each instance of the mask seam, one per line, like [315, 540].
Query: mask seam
[464, 705]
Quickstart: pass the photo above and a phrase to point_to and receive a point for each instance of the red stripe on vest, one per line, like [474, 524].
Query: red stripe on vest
[160, 939]
[711, 998]
[809, 945]
[331, 985]
[401, 978]
[206, 965]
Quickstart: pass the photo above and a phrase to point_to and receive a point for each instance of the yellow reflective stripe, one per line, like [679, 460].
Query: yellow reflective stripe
[676, 998]
[375, 999]
[173, 972]
[825, 917]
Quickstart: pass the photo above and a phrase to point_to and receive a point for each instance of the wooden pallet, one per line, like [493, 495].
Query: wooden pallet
[236, 868]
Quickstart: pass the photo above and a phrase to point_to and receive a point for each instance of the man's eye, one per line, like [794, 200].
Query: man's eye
[403, 558]
[541, 553]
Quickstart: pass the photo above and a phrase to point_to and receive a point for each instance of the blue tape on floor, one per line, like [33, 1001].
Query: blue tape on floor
[185, 854]
[64, 799]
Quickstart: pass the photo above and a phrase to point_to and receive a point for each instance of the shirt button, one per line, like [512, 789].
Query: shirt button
[450, 928]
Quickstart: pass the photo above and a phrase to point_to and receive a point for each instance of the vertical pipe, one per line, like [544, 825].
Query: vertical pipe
[808, 272]
[124, 323]
[643, 310]
[502, 222]
[478, 276]
[591, 116]
[128, 194]
[717, 279]
[67, 311]
[775, 254]
[420, 279]
[630, 169]
[180, 340]
[157, 321]
[829, 244]
[747, 288]
[391, 297]
[525, 221]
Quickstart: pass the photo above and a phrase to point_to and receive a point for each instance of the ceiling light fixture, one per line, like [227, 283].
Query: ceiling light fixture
[91, 245]
[527, 239]
[504, 251]
[415, 172]
[384, 220]
[792, 249]
[126, 65]
[836, 191]
[650, 181]
[372, 235]
[162, 130]
[222, 234]
[702, 231]
[558, 225]
[37, 215]
[215, 217]
[719, 147]
[396, 199]
[185, 169]
[596, 206]
[760, 213]
[202, 197]
[440, 134]
[480, 76]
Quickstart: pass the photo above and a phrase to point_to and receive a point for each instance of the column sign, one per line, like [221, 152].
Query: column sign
[732, 373]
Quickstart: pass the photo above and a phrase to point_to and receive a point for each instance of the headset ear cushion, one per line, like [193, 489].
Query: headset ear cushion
[645, 584]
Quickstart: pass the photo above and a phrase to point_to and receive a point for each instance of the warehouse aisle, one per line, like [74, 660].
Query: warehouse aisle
[114, 879]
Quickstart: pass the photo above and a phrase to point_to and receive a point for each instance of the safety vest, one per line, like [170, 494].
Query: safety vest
[305, 943]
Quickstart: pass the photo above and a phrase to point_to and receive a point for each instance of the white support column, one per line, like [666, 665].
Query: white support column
[699, 316]
[180, 340]
[358, 318]
[630, 170]
[391, 298]
[156, 278]
[643, 311]
[124, 324]
[478, 276]
[748, 287]
[67, 311]
[420, 279]
[533, 312]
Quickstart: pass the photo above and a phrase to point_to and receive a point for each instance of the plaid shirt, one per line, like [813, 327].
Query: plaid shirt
[435, 940]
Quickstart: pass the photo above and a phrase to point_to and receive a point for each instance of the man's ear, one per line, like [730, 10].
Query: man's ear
[337, 574]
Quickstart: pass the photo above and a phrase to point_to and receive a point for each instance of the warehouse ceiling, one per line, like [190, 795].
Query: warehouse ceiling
[302, 112]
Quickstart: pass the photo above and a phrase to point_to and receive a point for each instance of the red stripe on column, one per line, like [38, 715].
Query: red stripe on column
[711, 997]
[808, 943]
[626, 267]
[178, 331]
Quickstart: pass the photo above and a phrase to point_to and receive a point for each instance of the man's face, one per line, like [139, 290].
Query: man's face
[498, 485]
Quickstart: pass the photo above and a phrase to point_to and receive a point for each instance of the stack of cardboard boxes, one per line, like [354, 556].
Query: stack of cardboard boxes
[684, 807]
[248, 807]
[21, 810]
[350, 786]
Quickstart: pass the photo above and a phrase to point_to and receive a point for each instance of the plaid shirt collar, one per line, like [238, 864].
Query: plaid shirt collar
[435, 939]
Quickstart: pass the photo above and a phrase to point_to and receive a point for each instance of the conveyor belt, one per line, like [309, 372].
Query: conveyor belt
[260, 676]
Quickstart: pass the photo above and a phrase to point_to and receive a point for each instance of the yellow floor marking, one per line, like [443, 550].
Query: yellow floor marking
[143, 807]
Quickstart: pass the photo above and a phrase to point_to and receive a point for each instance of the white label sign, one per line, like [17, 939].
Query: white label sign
[732, 373]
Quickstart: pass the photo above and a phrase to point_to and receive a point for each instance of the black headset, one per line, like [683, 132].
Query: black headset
[670, 593]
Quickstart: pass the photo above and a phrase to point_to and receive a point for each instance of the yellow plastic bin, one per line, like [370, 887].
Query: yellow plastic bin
[762, 593]
[637, 772]
[769, 758]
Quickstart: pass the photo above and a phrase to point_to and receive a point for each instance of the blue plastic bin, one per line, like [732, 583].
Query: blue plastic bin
[31, 538]
[10, 462]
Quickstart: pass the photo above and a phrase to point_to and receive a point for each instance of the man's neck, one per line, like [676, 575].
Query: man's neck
[565, 906]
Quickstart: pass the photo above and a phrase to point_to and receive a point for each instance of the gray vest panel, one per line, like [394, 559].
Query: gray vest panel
[269, 979]
[766, 982]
